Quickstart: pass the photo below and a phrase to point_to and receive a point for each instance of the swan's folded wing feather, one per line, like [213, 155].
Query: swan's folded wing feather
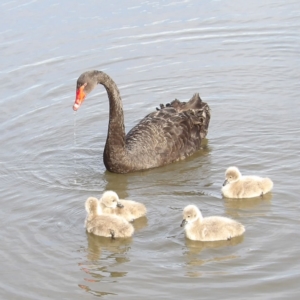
[171, 135]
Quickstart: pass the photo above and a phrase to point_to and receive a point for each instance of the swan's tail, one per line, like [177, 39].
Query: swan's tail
[194, 103]
[199, 112]
[267, 185]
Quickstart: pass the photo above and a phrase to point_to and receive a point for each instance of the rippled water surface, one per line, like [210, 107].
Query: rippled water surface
[243, 59]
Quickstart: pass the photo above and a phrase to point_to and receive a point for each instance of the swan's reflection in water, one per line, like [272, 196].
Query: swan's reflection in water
[194, 248]
[104, 257]
[117, 183]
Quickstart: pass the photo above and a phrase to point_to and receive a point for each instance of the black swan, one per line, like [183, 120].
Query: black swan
[171, 133]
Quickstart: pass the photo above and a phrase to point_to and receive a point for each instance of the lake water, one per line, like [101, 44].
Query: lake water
[242, 57]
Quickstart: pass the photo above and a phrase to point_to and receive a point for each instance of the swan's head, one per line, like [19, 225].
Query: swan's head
[190, 214]
[111, 199]
[85, 84]
[232, 174]
[92, 206]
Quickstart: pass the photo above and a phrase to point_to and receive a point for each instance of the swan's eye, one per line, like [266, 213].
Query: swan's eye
[79, 85]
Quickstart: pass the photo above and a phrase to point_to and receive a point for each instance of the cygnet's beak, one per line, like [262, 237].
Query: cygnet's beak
[225, 182]
[120, 205]
[183, 223]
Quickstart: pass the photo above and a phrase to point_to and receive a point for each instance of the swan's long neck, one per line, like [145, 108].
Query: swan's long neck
[115, 142]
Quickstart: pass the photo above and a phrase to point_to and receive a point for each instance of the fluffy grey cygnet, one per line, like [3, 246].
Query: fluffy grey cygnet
[128, 209]
[238, 186]
[103, 224]
[209, 229]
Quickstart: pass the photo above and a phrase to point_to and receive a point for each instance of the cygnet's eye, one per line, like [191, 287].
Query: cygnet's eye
[188, 216]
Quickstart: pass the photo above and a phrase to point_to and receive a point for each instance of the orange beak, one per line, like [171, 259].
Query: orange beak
[80, 96]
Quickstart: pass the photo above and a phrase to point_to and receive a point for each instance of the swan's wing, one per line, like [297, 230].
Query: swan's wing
[195, 109]
[171, 133]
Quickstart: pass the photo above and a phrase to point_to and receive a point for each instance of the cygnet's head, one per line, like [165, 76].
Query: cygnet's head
[232, 174]
[111, 199]
[92, 205]
[190, 214]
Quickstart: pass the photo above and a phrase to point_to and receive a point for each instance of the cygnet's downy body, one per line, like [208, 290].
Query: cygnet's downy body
[128, 209]
[238, 186]
[104, 224]
[209, 229]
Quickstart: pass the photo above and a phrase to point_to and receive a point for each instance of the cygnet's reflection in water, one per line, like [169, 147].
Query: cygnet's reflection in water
[139, 224]
[194, 261]
[104, 257]
[234, 206]
[102, 249]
